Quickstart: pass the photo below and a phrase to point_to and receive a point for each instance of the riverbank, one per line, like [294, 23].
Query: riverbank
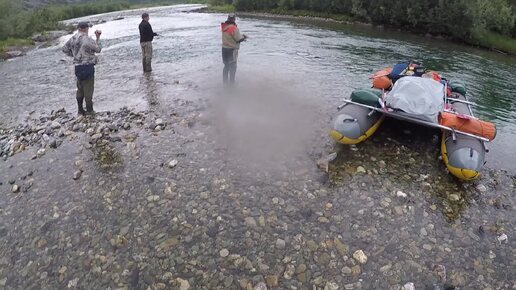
[486, 40]
[138, 199]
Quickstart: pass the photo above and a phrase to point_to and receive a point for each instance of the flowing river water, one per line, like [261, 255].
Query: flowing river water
[225, 192]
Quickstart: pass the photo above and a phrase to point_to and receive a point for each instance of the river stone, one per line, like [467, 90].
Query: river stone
[250, 222]
[224, 253]
[172, 163]
[341, 247]
[454, 197]
[408, 286]
[361, 169]
[15, 188]
[77, 174]
[183, 284]
[280, 244]
[289, 272]
[346, 271]
[271, 280]
[260, 286]
[360, 256]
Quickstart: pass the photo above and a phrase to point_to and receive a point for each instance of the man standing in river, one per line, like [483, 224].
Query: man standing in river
[231, 39]
[146, 37]
[83, 48]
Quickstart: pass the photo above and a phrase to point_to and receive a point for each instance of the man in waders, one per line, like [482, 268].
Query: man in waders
[146, 37]
[83, 48]
[231, 39]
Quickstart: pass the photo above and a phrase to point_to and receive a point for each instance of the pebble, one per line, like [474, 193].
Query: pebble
[271, 280]
[73, 283]
[159, 122]
[183, 284]
[361, 169]
[400, 193]
[172, 163]
[427, 247]
[250, 222]
[481, 188]
[289, 272]
[346, 271]
[260, 286]
[224, 253]
[77, 174]
[454, 197]
[360, 256]
[502, 238]
[280, 244]
[408, 286]
[15, 188]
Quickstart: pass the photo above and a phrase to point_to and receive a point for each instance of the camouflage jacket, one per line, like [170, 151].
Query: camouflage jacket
[82, 48]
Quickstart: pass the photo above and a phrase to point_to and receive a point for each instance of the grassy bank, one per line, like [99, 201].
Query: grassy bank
[496, 42]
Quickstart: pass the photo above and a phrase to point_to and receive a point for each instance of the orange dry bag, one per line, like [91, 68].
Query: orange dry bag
[382, 83]
[468, 124]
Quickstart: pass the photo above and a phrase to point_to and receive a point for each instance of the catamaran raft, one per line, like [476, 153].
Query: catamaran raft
[409, 92]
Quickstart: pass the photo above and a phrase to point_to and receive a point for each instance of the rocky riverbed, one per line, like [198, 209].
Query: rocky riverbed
[153, 200]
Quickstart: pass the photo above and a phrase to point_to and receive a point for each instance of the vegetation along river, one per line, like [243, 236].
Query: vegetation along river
[178, 183]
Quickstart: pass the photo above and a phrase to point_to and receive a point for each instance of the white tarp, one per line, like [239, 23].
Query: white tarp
[418, 97]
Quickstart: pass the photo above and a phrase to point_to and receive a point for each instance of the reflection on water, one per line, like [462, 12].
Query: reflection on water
[150, 89]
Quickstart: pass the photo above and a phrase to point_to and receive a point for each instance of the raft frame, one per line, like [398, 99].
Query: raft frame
[413, 120]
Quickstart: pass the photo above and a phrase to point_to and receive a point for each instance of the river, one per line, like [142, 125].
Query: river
[198, 187]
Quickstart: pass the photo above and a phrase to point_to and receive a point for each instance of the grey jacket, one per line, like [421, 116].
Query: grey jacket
[82, 48]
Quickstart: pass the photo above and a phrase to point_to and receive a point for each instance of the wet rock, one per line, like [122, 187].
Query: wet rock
[502, 238]
[55, 125]
[13, 53]
[360, 256]
[77, 174]
[440, 272]
[346, 271]
[183, 284]
[331, 286]
[250, 222]
[41, 152]
[169, 243]
[341, 247]
[289, 272]
[280, 244]
[481, 188]
[454, 197]
[15, 189]
[400, 193]
[73, 283]
[260, 286]
[271, 280]
[173, 163]
[408, 286]
[224, 253]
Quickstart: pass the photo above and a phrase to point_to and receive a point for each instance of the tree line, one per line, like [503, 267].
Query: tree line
[465, 20]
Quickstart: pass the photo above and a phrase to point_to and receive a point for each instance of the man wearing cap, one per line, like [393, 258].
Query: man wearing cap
[231, 39]
[83, 48]
[146, 37]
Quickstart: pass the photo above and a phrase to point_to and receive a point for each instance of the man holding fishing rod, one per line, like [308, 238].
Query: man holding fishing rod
[231, 39]
[146, 37]
[83, 48]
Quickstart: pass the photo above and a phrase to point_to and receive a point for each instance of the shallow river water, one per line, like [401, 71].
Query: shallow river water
[194, 186]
